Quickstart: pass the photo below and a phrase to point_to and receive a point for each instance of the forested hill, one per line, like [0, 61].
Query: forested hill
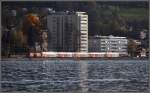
[105, 18]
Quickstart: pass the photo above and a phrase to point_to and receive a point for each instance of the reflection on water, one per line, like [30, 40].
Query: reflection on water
[71, 75]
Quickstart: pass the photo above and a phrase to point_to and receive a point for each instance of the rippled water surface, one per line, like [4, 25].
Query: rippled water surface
[71, 75]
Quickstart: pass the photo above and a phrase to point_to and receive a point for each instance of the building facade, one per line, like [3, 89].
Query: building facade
[108, 44]
[44, 40]
[68, 31]
[94, 44]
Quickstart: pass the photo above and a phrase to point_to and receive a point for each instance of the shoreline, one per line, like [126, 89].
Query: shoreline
[77, 59]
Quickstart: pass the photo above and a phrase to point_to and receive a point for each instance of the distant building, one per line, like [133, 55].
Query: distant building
[68, 31]
[44, 40]
[108, 44]
[143, 53]
[137, 42]
[94, 44]
[142, 34]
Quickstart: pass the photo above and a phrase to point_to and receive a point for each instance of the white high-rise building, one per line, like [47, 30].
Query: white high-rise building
[68, 31]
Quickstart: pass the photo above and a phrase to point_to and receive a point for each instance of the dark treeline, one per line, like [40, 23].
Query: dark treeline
[55, 4]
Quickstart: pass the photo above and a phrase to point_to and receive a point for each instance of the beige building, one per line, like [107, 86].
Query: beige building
[68, 31]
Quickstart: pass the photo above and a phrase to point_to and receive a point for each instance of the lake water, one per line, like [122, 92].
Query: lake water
[75, 75]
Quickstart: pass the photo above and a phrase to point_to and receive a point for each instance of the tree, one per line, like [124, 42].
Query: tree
[132, 47]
